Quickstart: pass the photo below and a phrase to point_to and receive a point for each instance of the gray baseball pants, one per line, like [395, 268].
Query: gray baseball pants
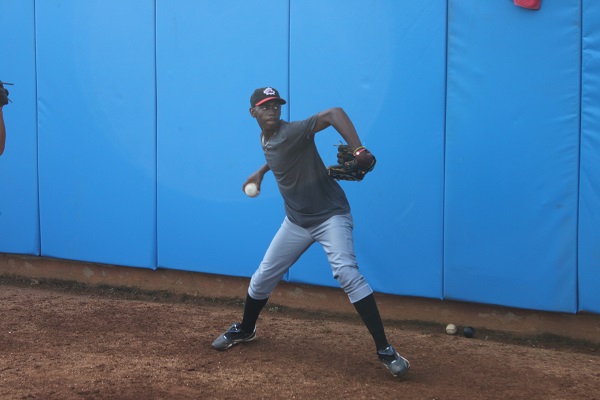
[291, 241]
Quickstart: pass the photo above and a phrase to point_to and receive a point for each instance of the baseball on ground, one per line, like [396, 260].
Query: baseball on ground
[451, 329]
[469, 332]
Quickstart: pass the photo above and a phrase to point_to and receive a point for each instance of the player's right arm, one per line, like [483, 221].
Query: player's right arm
[257, 177]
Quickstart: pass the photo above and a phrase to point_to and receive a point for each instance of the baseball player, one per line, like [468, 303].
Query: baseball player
[317, 210]
[3, 102]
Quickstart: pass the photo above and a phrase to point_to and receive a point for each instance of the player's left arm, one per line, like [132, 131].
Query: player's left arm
[338, 118]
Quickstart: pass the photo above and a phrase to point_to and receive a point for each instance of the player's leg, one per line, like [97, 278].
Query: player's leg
[369, 313]
[337, 240]
[336, 237]
[290, 242]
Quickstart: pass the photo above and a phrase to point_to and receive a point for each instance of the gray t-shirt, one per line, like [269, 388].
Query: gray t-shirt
[310, 195]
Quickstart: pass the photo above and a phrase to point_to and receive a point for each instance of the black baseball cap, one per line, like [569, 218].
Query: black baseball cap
[262, 95]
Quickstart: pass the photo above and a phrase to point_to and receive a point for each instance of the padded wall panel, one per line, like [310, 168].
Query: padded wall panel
[210, 58]
[384, 63]
[19, 222]
[97, 133]
[512, 154]
[589, 214]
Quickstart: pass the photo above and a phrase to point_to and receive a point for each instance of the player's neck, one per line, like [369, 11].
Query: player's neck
[269, 133]
[266, 139]
[270, 128]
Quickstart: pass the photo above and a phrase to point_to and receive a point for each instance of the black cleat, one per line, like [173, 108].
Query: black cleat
[397, 364]
[233, 336]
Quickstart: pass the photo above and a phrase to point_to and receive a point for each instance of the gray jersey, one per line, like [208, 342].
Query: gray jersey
[311, 197]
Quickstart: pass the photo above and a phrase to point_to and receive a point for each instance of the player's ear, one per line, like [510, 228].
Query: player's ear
[252, 112]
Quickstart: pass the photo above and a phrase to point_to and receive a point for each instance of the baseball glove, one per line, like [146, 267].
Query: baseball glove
[352, 165]
[3, 95]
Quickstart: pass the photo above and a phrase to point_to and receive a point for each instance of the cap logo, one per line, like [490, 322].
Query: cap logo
[269, 91]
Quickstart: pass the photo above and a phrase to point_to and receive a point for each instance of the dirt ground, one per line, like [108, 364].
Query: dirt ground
[61, 340]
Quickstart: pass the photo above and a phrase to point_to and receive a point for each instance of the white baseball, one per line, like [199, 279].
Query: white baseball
[251, 190]
[451, 329]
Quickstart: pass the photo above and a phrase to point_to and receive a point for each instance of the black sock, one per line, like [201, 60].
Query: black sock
[368, 311]
[252, 309]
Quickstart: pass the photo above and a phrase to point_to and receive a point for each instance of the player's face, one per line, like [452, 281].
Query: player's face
[267, 115]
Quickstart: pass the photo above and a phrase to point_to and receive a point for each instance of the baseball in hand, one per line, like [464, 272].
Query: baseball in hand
[251, 190]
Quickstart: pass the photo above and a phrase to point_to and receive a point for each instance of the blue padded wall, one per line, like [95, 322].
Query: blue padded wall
[384, 63]
[589, 212]
[19, 223]
[97, 133]
[512, 150]
[210, 58]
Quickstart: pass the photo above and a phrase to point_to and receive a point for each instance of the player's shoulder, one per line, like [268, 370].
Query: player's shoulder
[303, 124]
[290, 125]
